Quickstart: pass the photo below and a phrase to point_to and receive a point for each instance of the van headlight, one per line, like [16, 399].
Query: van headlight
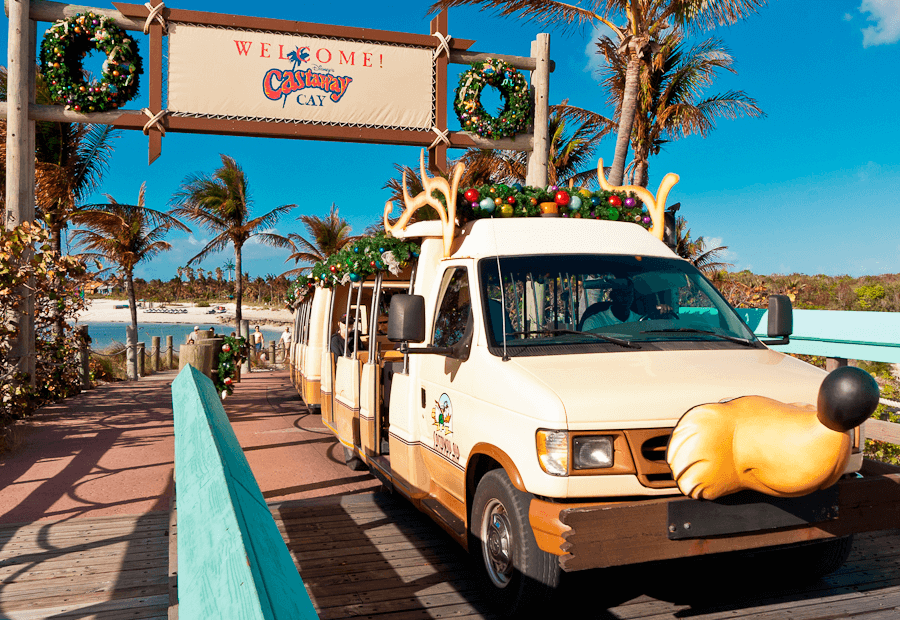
[592, 452]
[553, 451]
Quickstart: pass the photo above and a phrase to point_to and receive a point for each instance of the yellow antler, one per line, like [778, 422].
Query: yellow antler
[655, 204]
[430, 184]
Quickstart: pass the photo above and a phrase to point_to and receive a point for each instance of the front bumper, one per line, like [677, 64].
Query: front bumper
[604, 534]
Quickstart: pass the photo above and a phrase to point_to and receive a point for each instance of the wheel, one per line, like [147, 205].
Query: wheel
[518, 573]
[351, 458]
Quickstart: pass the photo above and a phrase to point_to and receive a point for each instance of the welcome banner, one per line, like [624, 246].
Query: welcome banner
[252, 74]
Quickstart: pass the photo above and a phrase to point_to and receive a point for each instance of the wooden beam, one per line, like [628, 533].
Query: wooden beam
[437, 155]
[522, 63]
[44, 11]
[879, 430]
[536, 174]
[154, 148]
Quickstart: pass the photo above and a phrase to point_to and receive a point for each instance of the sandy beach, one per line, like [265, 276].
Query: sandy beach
[105, 311]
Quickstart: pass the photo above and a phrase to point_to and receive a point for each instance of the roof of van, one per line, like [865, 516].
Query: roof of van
[534, 235]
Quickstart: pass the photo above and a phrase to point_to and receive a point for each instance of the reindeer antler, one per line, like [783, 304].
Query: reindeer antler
[655, 204]
[430, 184]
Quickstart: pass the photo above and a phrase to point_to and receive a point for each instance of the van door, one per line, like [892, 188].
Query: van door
[448, 408]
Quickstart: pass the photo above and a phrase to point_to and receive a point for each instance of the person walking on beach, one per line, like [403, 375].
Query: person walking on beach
[194, 336]
[257, 338]
[286, 341]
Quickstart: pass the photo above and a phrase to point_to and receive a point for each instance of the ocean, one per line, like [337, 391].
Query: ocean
[105, 334]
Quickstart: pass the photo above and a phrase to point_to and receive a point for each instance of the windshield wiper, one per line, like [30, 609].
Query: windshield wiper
[619, 341]
[743, 341]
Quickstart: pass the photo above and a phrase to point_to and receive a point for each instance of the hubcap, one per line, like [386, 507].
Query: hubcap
[496, 537]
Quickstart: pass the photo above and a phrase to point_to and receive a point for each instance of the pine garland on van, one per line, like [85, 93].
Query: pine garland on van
[364, 257]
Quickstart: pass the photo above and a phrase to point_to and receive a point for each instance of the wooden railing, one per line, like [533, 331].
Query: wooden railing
[232, 560]
[840, 336]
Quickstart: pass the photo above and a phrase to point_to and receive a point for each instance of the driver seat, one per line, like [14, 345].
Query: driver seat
[595, 308]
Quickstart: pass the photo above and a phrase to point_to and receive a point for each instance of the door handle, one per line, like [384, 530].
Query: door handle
[423, 398]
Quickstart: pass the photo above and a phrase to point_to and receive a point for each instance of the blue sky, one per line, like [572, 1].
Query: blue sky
[812, 188]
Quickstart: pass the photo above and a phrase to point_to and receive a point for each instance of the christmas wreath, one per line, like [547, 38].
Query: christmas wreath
[64, 46]
[516, 114]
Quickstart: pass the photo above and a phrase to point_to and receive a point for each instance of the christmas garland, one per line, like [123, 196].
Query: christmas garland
[64, 46]
[356, 261]
[229, 360]
[500, 200]
[516, 114]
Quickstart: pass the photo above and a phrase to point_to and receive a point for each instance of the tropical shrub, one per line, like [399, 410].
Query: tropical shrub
[27, 262]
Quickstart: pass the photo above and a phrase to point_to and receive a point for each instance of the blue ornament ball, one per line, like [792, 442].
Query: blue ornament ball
[575, 203]
[487, 204]
[595, 201]
[517, 187]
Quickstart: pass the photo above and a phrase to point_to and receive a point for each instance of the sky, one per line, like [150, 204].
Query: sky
[811, 188]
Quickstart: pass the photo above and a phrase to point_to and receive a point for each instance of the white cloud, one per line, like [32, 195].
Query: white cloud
[848, 17]
[886, 15]
[869, 171]
[725, 255]
[194, 241]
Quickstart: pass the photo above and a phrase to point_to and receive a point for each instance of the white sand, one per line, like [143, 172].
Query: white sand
[105, 311]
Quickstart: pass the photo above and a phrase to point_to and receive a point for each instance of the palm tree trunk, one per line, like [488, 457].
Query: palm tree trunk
[131, 337]
[238, 288]
[626, 118]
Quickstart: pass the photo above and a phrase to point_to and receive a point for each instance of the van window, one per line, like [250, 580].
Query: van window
[456, 306]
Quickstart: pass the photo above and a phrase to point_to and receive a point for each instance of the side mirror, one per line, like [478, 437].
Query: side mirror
[781, 319]
[406, 321]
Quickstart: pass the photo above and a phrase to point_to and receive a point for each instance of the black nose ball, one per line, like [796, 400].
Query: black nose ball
[847, 398]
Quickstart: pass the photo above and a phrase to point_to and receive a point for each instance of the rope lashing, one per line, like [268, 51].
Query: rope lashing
[443, 135]
[443, 45]
[154, 121]
[154, 13]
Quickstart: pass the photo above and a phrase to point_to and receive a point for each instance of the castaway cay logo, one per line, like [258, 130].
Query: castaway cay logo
[284, 83]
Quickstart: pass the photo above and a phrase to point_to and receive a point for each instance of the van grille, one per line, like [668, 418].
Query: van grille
[648, 449]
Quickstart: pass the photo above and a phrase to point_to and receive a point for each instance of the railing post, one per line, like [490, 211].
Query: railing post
[140, 359]
[245, 334]
[833, 363]
[170, 353]
[131, 363]
[154, 353]
[272, 352]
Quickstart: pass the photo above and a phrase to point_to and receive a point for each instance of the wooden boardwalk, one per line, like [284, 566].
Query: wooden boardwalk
[374, 556]
[103, 568]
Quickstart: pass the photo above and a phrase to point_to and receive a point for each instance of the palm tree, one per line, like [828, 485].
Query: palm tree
[668, 107]
[326, 236]
[221, 202]
[646, 21]
[229, 267]
[125, 235]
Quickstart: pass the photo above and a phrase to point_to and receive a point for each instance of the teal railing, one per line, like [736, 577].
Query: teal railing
[232, 560]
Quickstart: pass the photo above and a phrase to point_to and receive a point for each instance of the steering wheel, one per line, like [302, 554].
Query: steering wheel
[669, 313]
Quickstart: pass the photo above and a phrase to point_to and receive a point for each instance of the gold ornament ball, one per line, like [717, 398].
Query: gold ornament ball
[498, 201]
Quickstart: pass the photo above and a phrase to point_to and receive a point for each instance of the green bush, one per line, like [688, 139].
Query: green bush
[866, 296]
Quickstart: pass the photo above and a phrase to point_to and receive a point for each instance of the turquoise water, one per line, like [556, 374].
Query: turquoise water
[105, 334]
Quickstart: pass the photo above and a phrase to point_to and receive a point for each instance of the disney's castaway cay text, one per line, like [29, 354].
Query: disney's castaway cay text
[281, 82]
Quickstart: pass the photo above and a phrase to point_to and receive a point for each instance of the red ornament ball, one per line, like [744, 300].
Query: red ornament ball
[228, 381]
[472, 195]
[615, 201]
[511, 200]
[333, 269]
[226, 348]
[561, 198]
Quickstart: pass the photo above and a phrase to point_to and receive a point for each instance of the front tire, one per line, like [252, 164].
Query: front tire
[519, 574]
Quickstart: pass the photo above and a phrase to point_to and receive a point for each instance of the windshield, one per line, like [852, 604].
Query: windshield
[553, 303]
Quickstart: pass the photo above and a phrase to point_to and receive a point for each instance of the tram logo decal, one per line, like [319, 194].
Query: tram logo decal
[442, 420]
